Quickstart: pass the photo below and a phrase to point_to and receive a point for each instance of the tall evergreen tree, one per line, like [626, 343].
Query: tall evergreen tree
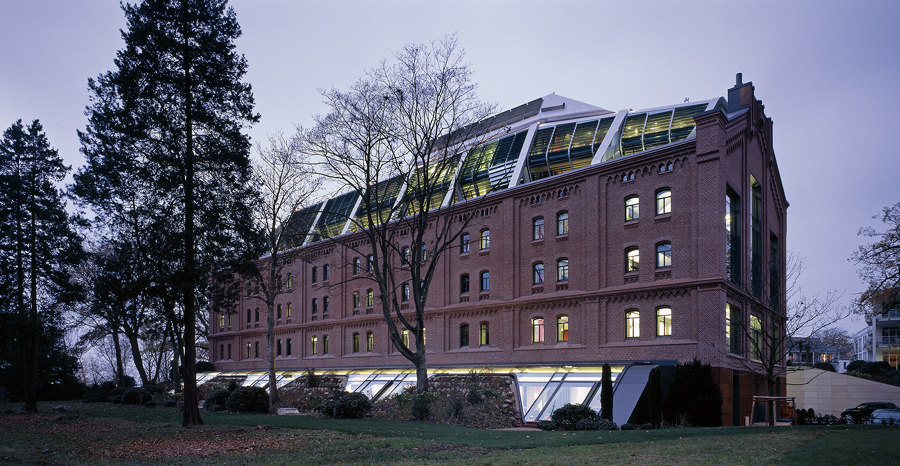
[37, 243]
[165, 149]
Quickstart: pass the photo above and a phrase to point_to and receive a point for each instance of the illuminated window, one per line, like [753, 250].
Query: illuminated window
[464, 241]
[315, 274]
[423, 253]
[632, 208]
[663, 255]
[663, 202]
[356, 300]
[562, 224]
[562, 328]
[485, 239]
[221, 321]
[538, 274]
[632, 324]
[632, 260]
[314, 342]
[356, 266]
[485, 281]
[370, 263]
[562, 270]
[756, 351]
[733, 329]
[370, 298]
[315, 306]
[537, 330]
[290, 281]
[370, 342]
[325, 272]
[356, 343]
[464, 283]
[249, 349]
[288, 347]
[537, 231]
[404, 255]
[404, 334]
[463, 335]
[290, 312]
[404, 292]
[324, 344]
[484, 334]
[664, 322]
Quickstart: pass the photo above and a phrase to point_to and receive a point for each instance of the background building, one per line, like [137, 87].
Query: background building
[638, 238]
[880, 339]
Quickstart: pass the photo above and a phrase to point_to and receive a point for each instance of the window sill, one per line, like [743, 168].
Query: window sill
[537, 289]
[484, 296]
[631, 224]
[537, 242]
[631, 277]
[663, 218]
[564, 237]
[464, 255]
[562, 286]
[663, 274]
[484, 252]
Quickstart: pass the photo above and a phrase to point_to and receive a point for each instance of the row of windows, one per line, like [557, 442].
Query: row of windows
[562, 226]
[663, 323]
[663, 204]
[562, 329]
[663, 257]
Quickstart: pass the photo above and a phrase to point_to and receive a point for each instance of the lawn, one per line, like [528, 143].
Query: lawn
[105, 433]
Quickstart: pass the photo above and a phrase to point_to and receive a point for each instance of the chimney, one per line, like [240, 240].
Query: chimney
[740, 95]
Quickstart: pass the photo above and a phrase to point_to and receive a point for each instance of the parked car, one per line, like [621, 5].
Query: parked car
[863, 411]
[886, 416]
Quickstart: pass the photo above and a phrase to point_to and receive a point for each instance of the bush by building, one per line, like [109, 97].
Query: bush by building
[248, 400]
[135, 396]
[694, 398]
[347, 406]
[216, 400]
[825, 366]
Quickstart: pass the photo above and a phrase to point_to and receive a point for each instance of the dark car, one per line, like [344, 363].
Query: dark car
[863, 411]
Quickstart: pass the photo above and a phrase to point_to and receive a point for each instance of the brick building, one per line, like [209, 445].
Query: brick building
[639, 238]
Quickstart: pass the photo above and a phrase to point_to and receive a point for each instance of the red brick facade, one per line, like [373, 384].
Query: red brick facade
[727, 150]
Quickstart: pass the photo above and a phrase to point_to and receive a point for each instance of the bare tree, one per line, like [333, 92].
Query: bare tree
[879, 264]
[395, 139]
[837, 338]
[285, 182]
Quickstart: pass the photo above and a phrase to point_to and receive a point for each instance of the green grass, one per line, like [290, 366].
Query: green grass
[106, 434]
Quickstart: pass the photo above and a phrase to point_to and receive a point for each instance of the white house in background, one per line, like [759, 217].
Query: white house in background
[880, 340]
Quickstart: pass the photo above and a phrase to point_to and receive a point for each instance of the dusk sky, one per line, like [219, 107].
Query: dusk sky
[827, 71]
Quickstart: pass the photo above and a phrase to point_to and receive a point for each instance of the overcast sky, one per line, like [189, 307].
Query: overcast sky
[828, 73]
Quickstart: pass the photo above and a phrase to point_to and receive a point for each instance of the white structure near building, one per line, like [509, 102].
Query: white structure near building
[880, 339]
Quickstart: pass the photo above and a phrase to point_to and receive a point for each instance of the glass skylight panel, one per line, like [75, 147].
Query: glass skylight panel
[489, 167]
[602, 129]
[581, 152]
[632, 133]
[381, 200]
[656, 132]
[683, 121]
[334, 215]
[431, 184]
[558, 152]
[537, 156]
[298, 226]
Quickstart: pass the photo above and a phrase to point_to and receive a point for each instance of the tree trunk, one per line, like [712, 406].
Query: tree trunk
[117, 348]
[270, 327]
[136, 354]
[31, 372]
[421, 376]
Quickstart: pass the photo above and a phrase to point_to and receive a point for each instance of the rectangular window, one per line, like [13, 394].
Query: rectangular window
[464, 243]
[562, 224]
[562, 270]
[664, 202]
[229, 351]
[405, 337]
[484, 334]
[537, 330]
[464, 284]
[222, 351]
[562, 328]
[288, 347]
[325, 302]
[733, 333]
[756, 341]
[278, 347]
[370, 298]
[774, 273]
[356, 343]
[314, 345]
[632, 208]
[632, 324]
[463, 335]
[289, 311]
[325, 273]
[486, 239]
[664, 322]
[324, 344]
[221, 321]
[315, 306]
[756, 238]
[249, 350]
[370, 342]
[485, 281]
[538, 229]
[733, 237]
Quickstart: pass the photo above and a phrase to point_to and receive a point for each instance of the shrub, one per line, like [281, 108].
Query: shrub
[154, 389]
[205, 366]
[135, 396]
[115, 395]
[248, 400]
[108, 385]
[855, 366]
[129, 382]
[232, 386]
[421, 405]
[568, 416]
[352, 406]
[825, 366]
[547, 425]
[876, 368]
[95, 395]
[627, 426]
[694, 396]
[216, 398]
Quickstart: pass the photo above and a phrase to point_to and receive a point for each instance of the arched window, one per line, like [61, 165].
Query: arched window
[464, 283]
[562, 270]
[278, 312]
[485, 239]
[537, 230]
[288, 347]
[356, 300]
[325, 272]
[484, 334]
[314, 344]
[404, 292]
[290, 281]
[278, 347]
[370, 265]
[632, 259]
[464, 241]
[257, 314]
[248, 316]
[370, 342]
[664, 322]
[632, 208]
[562, 328]
[370, 298]
[290, 312]
[663, 255]
[663, 202]
[485, 281]
[249, 347]
[538, 273]
[356, 343]
[537, 330]
[404, 335]
[404, 255]
[324, 344]
[315, 274]
[315, 306]
[463, 335]
[256, 346]
[356, 266]
[562, 224]
[423, 253]
[325, 301]
[632, 324]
